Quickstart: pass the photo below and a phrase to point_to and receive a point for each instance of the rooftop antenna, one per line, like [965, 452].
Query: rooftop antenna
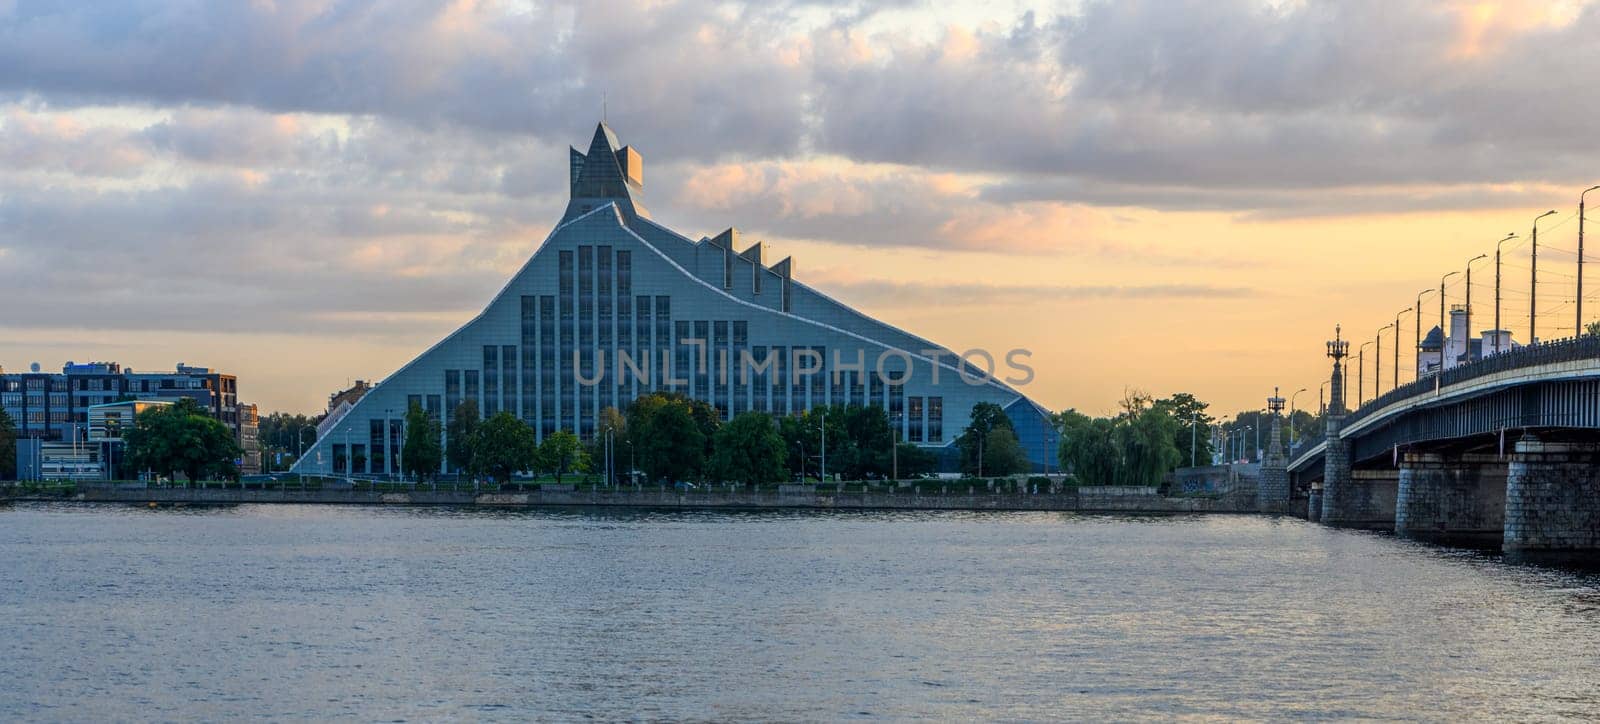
[602, 106]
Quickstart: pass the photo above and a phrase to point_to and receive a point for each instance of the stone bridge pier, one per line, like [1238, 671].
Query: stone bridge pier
[1361, 499]
[1552, 508]
[1458, 499]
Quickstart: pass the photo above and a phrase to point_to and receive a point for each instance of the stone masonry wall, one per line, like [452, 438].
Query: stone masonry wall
[1459, 499]
[1553, 502]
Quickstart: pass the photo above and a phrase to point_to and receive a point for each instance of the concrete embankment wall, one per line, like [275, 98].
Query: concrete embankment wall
[1082, 499]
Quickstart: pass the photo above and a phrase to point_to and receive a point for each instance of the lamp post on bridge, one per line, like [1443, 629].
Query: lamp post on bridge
[1417, 344]
[1577, 327]
[1533, 279]
[1443, 336]
[1466, 344]
[1377, 362]
[1291, 415]
[1509, 237]
[1322, 400]
[1361, 371]
[1397, 347]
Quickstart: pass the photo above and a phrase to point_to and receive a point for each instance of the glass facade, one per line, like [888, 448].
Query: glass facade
[689, 315]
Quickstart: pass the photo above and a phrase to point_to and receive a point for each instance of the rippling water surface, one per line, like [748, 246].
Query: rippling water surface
[113, 613]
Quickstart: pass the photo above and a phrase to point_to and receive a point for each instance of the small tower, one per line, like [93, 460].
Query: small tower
[1339, 497]
[1338, 349]
[1272, 493]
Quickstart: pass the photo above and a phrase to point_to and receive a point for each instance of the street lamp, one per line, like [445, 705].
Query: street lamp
[1577, 328]
[1442, 335]
[300, 453]
[1417, 344]
[1397, 346]
[1533, 278]
[1291, 415]
[1509, 237]
[1361, 372]
[1322, 400]
[1377, 362]
[1466, 344]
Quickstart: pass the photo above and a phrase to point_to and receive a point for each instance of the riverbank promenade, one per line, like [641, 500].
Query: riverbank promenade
[950, 497]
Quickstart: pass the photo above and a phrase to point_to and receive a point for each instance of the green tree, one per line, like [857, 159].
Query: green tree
[1002, 454]
[181, 437]
[748, 450]
[610, 421]
[670, 438]
[1087, 448]
[284, 435]
[8, 447]
[1592, 329]
[561, 453]
[913, 461]
[460, 433]
[1147, 450]
[802, 441]
[985, 418]
[423, 452]
[1194, 427]
[1138, 446]
[501, 446]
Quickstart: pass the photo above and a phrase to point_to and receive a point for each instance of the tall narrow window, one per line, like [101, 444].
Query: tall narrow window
[529, 368]
[720, 382]
[491, 381]
[663, 338]
[452, 393]
[624, 273]
[508, 379]
[935, 419]
[914, 417]
[547, 365]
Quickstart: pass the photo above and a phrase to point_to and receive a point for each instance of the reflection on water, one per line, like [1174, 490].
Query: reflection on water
[118, 613]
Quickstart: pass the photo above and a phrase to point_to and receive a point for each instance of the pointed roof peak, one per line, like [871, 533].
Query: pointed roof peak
[604, 135]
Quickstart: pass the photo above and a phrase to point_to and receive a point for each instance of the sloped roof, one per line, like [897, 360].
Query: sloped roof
[1434, 340]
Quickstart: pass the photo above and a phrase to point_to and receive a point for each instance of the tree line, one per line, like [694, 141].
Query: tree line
[669, 437]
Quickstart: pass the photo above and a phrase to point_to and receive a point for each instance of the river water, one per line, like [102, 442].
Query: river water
[287, 612]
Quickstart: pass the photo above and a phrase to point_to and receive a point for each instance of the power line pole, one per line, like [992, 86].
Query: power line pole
[1533, 279]
[1577, 327]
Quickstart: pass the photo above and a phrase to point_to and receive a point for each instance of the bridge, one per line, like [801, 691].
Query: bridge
[1503, 450]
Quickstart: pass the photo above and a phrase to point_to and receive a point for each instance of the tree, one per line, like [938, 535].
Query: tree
[461, 432]
[801, 436]
[612, 421]
[1138, 446]
[1087, 448]
[501, 446]
[1194, 432]
[423, 453]
[8, 447]
[181, 437]
[1002, 454]
[1592, 329]
[1147, 449]
[985, 417]
[914, 461]
[284, 435]
[668, 439]
[561, 453]
[748, 450]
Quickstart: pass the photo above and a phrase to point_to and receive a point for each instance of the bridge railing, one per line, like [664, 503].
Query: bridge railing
[1571, 349]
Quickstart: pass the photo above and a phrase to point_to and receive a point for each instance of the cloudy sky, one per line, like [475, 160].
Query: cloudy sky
[1182, 195]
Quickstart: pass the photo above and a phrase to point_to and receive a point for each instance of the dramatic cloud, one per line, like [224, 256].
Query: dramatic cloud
[892, 293]
[343, 168]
